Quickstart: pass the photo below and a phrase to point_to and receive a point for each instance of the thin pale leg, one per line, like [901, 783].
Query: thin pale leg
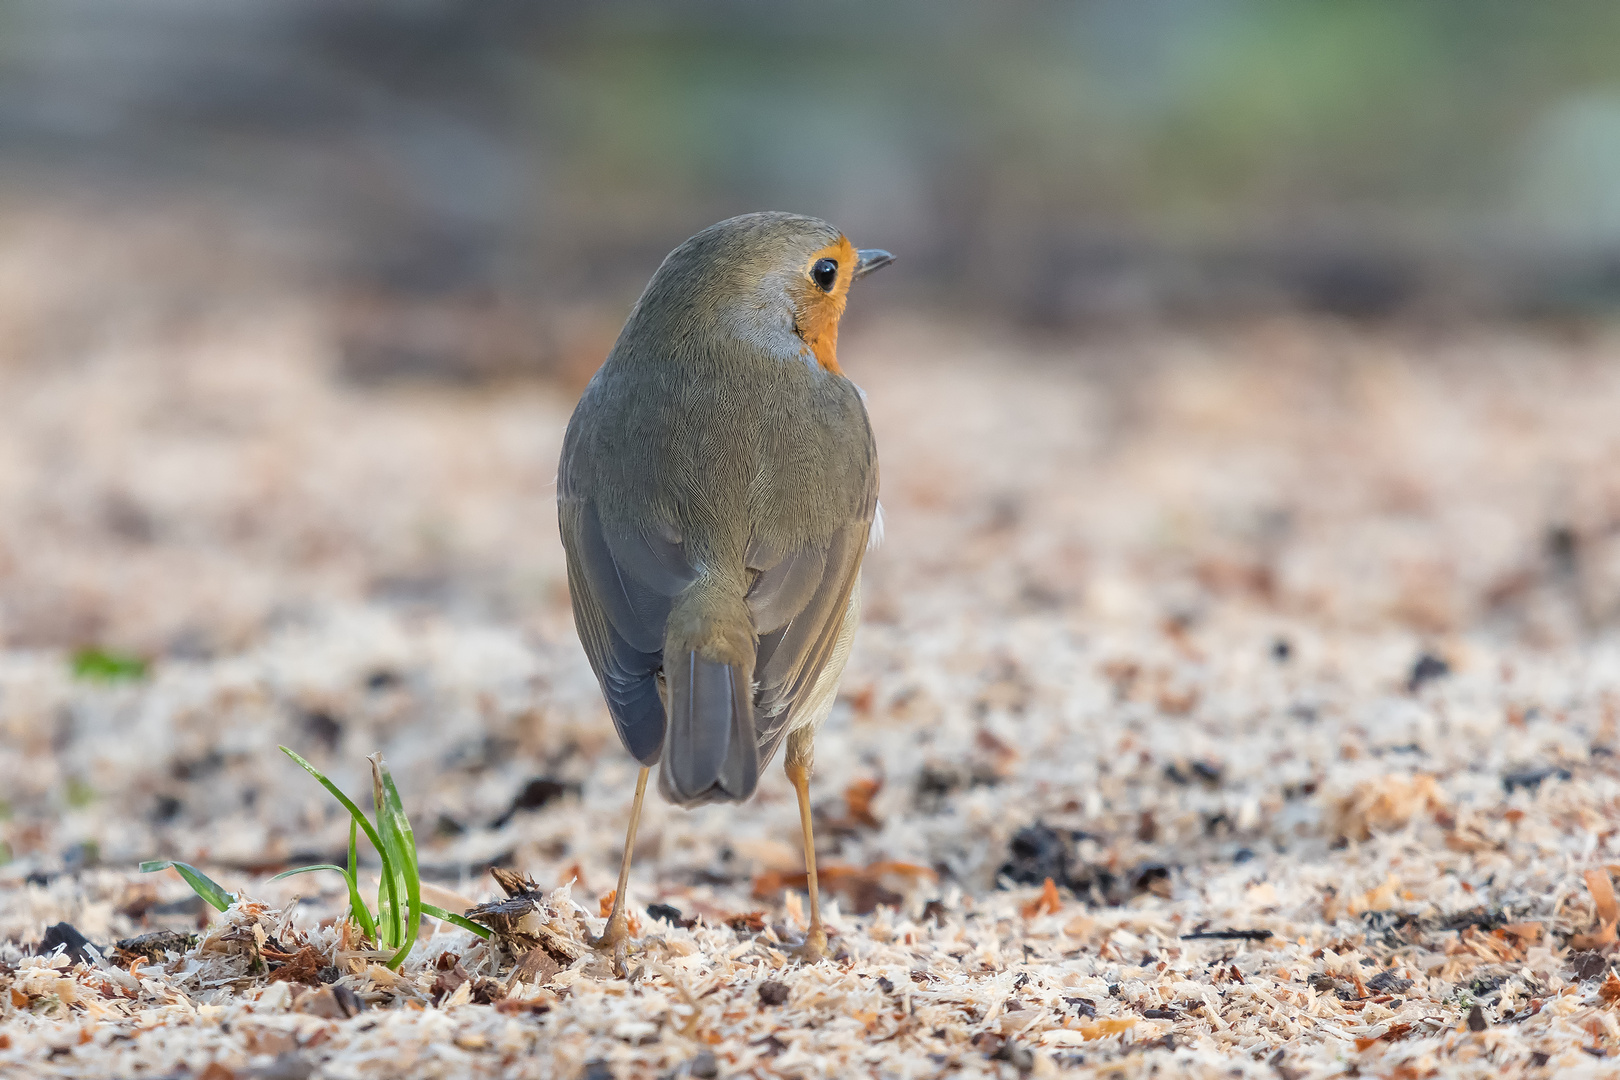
[617, 930]
[800, 758]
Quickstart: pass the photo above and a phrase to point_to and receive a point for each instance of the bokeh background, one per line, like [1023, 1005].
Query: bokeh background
[1055, 165]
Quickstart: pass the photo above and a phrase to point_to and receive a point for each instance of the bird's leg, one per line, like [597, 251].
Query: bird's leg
[800, 757]
[617, 930]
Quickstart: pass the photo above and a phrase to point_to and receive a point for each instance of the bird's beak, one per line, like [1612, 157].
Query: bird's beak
[871, 259]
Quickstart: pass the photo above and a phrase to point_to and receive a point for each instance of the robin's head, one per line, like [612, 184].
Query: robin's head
[777, 280]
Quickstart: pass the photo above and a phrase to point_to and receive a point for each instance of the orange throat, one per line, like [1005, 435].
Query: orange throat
[824, 343]
[819, 312]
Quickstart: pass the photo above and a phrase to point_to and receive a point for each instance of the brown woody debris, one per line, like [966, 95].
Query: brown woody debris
[1607, 909]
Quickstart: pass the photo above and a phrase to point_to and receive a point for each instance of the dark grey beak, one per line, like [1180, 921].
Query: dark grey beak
[871, 259]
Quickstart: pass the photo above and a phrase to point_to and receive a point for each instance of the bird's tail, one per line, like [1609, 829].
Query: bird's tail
[710, 749]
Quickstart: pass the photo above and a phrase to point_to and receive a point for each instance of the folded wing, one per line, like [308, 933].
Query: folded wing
[622, 590]
[798, 602]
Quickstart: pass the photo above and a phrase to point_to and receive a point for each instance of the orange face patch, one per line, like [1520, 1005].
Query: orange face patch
[818, 312]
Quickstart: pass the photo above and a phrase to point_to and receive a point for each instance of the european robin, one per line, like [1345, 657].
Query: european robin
[717, 492]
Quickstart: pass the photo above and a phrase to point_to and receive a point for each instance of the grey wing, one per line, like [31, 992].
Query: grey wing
[622, 589]
[798, 601]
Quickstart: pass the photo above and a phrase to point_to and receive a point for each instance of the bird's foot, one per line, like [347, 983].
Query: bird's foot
[615, 939]
[813, 949]
[614, 934]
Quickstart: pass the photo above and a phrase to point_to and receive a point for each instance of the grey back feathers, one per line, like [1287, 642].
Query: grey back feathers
[715, 495]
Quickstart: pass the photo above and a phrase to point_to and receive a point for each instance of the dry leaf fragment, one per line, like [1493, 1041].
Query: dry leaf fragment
[514, 884]
[1385, 803]
[1178, 703]
[574, 873]
[537, 968]
[448, 982]
[1468, 840]
[1002, 759]
[1047, 903]
[1395, 1032]
[1601, 887]
[1610, 990]
[750, 923]
[862, 888]
[302, 968]
[532, 1006]
[861, 700]
[1380, 898]
[858, 798]
[1608, 911]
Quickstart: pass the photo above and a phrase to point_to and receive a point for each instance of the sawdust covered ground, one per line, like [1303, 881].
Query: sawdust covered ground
[1285, 651]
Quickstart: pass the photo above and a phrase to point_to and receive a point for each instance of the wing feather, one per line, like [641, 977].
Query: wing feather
[622, 590]
[791, 657]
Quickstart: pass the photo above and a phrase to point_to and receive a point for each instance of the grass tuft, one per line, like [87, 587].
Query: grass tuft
[400, 908]
[399, 911]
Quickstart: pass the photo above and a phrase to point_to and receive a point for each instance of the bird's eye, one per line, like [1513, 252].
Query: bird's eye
[824, 273]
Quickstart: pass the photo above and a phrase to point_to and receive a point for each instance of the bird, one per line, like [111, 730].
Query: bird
[716, 494]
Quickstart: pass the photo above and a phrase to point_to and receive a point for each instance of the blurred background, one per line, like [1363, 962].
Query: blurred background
[1255, 319]
[463, 177]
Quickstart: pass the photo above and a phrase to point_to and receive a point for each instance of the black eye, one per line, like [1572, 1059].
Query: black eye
[824, 273]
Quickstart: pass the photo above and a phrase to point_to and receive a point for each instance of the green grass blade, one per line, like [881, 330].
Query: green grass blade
[357, 905]
[358, 818]
[201, 884]
[408, 865]
[309, 870]
[354, 854]
[395, 883]
[396, 832]
[450, 917]
[353, 870]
